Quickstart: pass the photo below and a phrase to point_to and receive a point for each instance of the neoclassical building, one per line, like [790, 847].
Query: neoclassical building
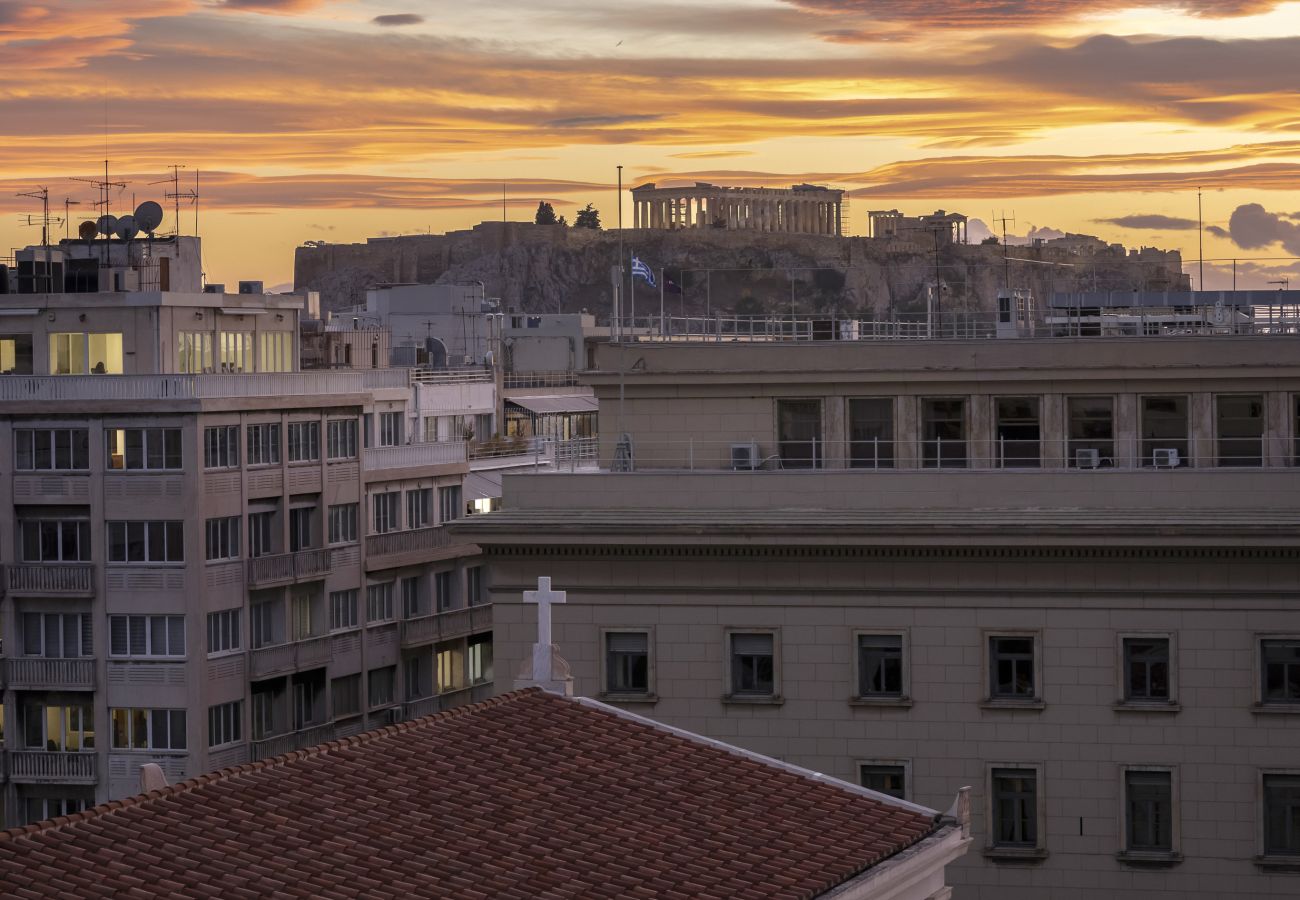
[799, 209]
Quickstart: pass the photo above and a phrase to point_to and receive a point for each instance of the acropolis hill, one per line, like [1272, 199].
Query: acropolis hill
[549, 268]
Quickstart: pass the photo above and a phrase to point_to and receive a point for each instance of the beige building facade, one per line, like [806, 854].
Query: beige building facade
[1062, 572]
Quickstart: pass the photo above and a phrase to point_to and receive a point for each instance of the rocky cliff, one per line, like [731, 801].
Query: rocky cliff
[551, 268]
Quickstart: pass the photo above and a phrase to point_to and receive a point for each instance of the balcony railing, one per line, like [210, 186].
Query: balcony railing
[451, 376]
[295, 740]
[289, 657]
[444, 626]
[198, 387]
[411, 456]
[36, 766]
[51, 579]
[427, 706]
[539, 379]
[383, 549]
[305, 565]
[38, 674]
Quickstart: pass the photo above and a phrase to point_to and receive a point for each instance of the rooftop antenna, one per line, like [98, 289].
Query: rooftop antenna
[176, 195]
[104, 201]
[43, 194]
[68, 203]
[1006, 260]
[1200, 243]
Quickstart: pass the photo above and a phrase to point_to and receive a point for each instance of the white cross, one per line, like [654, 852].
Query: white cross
[544, 597]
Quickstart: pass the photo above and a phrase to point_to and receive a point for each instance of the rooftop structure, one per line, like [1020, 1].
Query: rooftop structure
[799, 209]
[528, 794]
[941, 227]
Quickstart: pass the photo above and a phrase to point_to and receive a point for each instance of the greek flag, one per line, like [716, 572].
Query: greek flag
[641, 270]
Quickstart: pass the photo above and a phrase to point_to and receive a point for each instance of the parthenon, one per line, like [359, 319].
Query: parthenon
[800, 209]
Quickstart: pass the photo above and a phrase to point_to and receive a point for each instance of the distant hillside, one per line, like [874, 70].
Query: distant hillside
[550, 268]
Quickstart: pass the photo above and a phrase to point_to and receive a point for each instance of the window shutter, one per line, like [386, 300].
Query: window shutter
[175, 635]
[627, 642]
[138, 642]
[751, 644]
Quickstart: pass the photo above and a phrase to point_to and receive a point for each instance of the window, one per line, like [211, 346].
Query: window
[343, 609]
[38, 809]
[221, 447]
[1295, 431]
[304, 442]
[390, 429]
[627, 662]
[262, 623]
[224, 723]
[1091, 428]
[367, 428]
[261, 526]
[1019, 433]
[15, 354]
[263, 444]
[871, 433]
[799, 434]
[151, 542]
[1014, 808]
[276, 352]
[51, 449]
[223, 631]
[880, 666]
[223, 538]
[1146, 669]
[449, 674]
[753, 664]
[300, 528]
[343, 523]
[341, 438]
[386, 511]
[308, 701]
[302, 616]
[450, 506]
[1240, 427]
[1012, 674]
[55, 540]
[419, 508]
[146, 636]
[143, 448]
[442, 590]
[78, 353]
[148, 729]
[943, 434]
[417, 677]
[64, 729]
[57, 635]
[346, 695]
[68, 354]
[381, 683]
[1280, 671]
[412, 604]
[263, 713]
[379, 602]
[890, 780]
[193, 352]
[1148, 811]
[1281, 815]
[236, 351]
[1164, 428]
[473, 585]
[478, 656]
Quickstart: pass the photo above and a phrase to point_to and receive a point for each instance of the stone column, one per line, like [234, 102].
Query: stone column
[636, 214]
[838, 204]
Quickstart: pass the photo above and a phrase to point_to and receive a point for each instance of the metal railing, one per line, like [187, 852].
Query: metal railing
[1002, 452]
[451, 376]
[279, 744]
[427, 706]
[414, 540]
[407, 456]
[39, 673]
[539, 379]
[302, 565]
[50, 579]
[52, 766]
[198, 387]
[443, 626]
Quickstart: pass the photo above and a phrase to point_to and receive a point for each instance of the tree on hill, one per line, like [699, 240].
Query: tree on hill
[545, 214]
[989, 240]
[563, 221]
[588, 217]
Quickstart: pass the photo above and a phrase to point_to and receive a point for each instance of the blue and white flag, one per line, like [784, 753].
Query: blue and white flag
[641, 270]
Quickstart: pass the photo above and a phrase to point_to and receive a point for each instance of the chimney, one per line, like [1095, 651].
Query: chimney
[152, 778]
[545, 668]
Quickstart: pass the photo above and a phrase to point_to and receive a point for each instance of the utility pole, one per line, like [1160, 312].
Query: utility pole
[1200, 243]
[631, 287]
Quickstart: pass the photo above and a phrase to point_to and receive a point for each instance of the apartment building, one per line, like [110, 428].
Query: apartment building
[1060, 571]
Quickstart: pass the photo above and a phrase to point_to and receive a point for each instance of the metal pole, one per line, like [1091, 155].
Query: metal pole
[662, 331]
[1200, 242]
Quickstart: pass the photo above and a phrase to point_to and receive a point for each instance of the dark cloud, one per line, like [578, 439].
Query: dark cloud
[1252, 227]
[1217, 231]
[600, 121]
[1151, 222]
[397, 19]
[1015, 14]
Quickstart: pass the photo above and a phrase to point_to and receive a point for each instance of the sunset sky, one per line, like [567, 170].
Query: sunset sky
[334, 121]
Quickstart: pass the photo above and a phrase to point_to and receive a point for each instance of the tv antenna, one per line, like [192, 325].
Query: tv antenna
[176, 195]
[1006, 260]
[68, 203]
[45, 220]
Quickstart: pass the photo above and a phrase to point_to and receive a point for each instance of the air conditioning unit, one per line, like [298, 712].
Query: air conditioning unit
[1088, 458]
[1165, 457]
[744, 457]
[214, 288]
[251, 287]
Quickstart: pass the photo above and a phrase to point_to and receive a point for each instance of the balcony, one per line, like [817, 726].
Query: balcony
[415, 456]
[288, 568]
[280, 744]
[427, 706]
[444, 626]
[34, 673]
[416, 545]
[283, 658]
[51, 580]
[50, 767]
[45, 388]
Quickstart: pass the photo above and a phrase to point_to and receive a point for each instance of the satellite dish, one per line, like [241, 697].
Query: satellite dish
[87, 230]
[148, 216]
[106, 224]
[126, 228]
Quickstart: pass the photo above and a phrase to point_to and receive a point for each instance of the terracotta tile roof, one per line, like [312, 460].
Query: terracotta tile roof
[527, 795]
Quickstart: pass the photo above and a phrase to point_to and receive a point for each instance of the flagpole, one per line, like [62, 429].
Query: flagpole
[661, 302]
[632, 299]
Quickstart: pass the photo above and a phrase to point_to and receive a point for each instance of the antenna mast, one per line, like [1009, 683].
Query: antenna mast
[176, 195]
[1006, 261]
[43, 194]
